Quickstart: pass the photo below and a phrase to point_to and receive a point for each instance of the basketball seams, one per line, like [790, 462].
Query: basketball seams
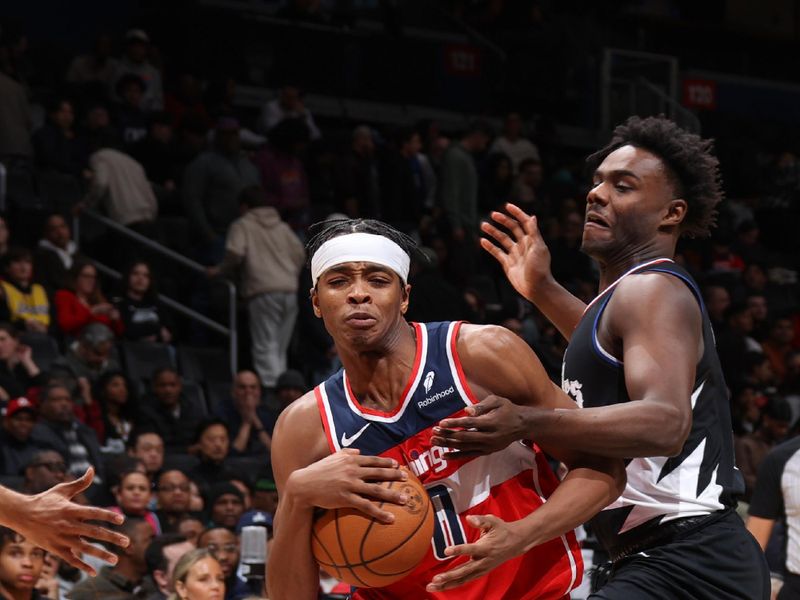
[344, 541]
[341, 547]
[369, 528]
[422, 522]
[327, 552]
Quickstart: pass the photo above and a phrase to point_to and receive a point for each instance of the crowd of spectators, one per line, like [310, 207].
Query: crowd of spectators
[190, 468]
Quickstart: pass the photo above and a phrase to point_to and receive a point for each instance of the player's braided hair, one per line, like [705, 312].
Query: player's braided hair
[689, 161]
[326, 230]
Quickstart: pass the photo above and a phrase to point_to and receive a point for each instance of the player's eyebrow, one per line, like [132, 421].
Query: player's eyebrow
[368, 268]
[616, 173]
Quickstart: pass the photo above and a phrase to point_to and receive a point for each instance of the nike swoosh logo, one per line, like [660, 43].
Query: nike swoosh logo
[346, 441]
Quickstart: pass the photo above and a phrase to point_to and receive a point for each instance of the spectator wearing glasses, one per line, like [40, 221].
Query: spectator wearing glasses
[172, 498]
[45, 469]
[83, 302]
[16, 448]
[223, 545]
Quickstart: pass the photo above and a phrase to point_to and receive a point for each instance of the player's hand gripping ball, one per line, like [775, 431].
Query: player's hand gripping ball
[363, 552]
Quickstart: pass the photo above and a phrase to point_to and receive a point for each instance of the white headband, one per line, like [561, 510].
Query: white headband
[360, 247]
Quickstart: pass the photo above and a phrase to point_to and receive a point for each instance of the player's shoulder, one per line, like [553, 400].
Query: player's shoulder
[490, 350]
[300, 414]
[653, 292]
[486, 339]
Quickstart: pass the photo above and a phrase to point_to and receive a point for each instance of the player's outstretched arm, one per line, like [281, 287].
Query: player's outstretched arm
[658, 321]
[307, 477]
[524, 256]
[495, 359]
[51, 520]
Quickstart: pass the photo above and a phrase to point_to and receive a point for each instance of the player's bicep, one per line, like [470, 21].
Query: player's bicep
[661, 331]
[298, 439]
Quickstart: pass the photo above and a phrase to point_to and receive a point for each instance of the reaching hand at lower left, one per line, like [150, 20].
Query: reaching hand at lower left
[499, 542]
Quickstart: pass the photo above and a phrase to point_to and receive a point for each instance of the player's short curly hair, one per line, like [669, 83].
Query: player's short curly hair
[689, 161]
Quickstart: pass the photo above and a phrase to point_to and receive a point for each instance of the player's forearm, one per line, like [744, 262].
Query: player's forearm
[293, 572]
[9, 502]
[630, 430]
[585, 491]
[560, 307]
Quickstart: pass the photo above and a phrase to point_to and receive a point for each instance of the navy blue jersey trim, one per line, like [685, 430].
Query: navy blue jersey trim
[688, 281]
[607, 357]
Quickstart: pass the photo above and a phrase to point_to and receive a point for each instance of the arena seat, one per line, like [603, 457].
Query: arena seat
[204, 364]
[141, 359]
[45, 349]
[193, 392]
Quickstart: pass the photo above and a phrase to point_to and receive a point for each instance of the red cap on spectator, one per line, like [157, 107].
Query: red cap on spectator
[18, 404]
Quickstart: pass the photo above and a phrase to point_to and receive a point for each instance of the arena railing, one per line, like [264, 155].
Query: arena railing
[230, 331]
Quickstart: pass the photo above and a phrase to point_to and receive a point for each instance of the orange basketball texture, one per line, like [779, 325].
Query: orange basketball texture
[360, 551]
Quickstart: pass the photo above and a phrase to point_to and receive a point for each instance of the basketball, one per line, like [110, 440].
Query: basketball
[363, 552]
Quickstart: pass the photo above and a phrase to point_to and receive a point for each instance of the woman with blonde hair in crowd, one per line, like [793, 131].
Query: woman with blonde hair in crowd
[198, 576]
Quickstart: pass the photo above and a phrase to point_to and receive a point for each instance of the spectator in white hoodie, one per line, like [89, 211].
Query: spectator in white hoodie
[270, 257]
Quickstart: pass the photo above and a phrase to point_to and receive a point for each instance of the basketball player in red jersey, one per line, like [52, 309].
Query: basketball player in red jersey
[507, 512]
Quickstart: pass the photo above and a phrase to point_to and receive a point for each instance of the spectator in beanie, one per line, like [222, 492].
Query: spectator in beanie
[224, 504]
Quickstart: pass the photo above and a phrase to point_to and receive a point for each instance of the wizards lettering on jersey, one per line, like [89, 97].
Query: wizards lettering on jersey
[430, 459]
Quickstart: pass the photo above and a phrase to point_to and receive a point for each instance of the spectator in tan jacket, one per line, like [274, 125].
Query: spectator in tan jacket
[270, 257]
[120, 184]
